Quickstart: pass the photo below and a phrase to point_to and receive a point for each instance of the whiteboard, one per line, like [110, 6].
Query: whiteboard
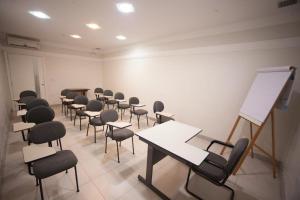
[264, 92]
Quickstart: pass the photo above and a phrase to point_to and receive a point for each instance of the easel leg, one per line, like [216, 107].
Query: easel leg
[231, 133]
[251, 136]
[273, 144]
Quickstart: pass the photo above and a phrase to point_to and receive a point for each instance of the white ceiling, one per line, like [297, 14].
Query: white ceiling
[152, 19]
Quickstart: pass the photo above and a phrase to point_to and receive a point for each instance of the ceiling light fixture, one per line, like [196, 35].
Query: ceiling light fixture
[75, 36]
[39, 14]
[121, 37]
[125, 7]
[93, 26]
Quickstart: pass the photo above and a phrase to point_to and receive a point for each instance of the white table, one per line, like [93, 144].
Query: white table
[21, 126]
[21, 112]
[35, 152]
[119, 124]
[170, 139]
[92, 113]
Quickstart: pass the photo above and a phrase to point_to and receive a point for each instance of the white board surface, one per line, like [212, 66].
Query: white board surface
[264, 92]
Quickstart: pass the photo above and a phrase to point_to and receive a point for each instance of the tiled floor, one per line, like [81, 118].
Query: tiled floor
[102, 177]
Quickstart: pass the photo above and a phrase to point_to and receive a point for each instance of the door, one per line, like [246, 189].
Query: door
[26, 73]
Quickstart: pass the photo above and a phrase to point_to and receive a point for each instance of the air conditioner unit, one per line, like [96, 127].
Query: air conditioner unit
[23, 42]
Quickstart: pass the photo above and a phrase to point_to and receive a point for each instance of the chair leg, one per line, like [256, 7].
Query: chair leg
[147, 119]
[80, 122]
[76, 178]
[105, 144]
[75, 118]
[132, 145]
[36, 181]
[60, 144]
[87, 130]
[232, 191]
[130, 117]
[95, 134]
[154, 123]
[41, 189]
[121, 113]
[187, 185]
[138, 118]
[118, 152]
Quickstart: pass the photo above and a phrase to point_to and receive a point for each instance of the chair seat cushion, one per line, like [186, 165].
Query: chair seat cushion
[80, 113]
[124, 106]
[140, 112]
[60, 161]
[208, 170]
[111, 101]
[96, 121]
[120, 134]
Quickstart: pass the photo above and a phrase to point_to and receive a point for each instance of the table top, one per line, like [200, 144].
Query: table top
[21, 126]
[62, 97]
[138, 105]
[68, 100]
[35, 152]
[92, 113]
[120, 100]
[172, 136]
[78, 89]
[21, 112]
[77, 106]
[165, 114]
[119, 124]
[16, 99]
[21, 104]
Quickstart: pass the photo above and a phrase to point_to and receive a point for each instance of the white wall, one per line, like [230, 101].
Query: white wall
[66, 71]
[5, 112]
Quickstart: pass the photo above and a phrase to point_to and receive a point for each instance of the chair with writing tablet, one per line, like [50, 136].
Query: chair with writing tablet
[217, 169]
[113, 102]
[40, 114]
[158, 106]
[95, 121]
[134, 103]
[121, 105]
[27, 93]
[79, 103]
[37, 102]
[98, 92]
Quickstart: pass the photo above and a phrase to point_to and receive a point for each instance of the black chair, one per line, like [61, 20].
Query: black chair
[70, 95]
[47, 132]
[95, 121]
[37, 102]
[217, 169]
[40, 114]
[137, 112]
[80, 100]
[64, 92]
[113, 102]
[27, 93]
[115, 134]
[158, 106]
[97, 92]
[121, 106]
[107, 93]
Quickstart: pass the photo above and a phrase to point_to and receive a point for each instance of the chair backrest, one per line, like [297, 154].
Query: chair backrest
[64, 92]
[46, 132]
[109, 116]
[81, 100]
[108, 93]
[236, 153]
[40, 114]
[134, 100]
[158, 106]
[27, 99]
[27, 93]
[98, 90]
[119, 95]
[36, 102]
[71, 95]
[94, 105]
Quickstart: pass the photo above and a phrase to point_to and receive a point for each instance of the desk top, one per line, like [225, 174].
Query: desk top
[119, 124]
[21, 112]
[62, 97]
[15, 99]
[68, 100]
[21, 126]
[78, 89]
[77, 106]
[120, 100]
[35, 152]
[92, 113]
[138, 105]
[165, 114]
[172, 136]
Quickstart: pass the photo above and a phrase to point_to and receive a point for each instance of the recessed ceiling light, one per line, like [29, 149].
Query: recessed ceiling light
[39, 14]
[121, 37]
[93, 26]
[75, 36]
[125, 7]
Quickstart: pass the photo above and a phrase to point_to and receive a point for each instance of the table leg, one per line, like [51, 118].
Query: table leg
[153, 156]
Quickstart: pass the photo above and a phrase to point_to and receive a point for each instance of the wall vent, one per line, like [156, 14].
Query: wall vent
[22, 42]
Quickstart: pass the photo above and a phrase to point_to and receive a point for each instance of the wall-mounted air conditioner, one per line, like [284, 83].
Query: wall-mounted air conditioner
[23, 42]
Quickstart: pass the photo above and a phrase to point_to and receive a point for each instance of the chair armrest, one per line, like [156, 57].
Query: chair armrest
[219, 142]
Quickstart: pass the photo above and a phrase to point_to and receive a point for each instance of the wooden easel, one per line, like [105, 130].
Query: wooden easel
[253, 140]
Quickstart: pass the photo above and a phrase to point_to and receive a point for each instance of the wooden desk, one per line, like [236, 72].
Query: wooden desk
[82, 91]
[169, 139]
